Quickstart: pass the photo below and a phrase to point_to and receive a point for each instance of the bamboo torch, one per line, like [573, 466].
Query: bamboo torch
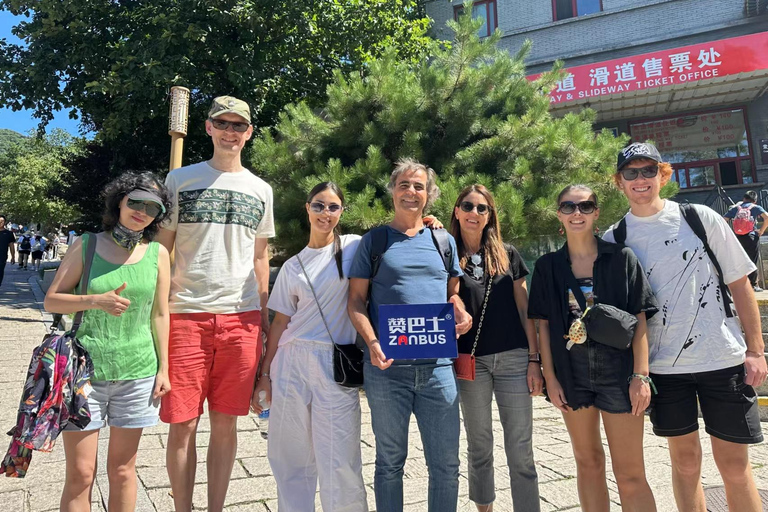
[177, 123]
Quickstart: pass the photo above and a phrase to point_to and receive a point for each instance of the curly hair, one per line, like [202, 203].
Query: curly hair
[127, 182]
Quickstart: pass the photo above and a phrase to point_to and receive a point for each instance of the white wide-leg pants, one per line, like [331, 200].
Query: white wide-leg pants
[314, 432]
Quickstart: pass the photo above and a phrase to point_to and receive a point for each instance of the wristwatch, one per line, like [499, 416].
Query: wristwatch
[534, 358]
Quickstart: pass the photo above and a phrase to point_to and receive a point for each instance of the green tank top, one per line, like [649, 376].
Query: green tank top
[122, 347]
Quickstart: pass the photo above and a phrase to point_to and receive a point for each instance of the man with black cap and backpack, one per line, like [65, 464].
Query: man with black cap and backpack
[697, 350]
[745, 215]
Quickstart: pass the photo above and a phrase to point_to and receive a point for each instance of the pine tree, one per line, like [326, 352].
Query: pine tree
[468, 111]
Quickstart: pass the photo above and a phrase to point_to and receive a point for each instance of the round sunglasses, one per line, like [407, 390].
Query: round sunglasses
[152, 209]
[318, 207]
[568, 207]
[649, 171]
[468, 206]
[223, 125]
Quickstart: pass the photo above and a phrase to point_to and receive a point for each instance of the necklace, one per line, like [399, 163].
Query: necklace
[126, 238]
[477, 268]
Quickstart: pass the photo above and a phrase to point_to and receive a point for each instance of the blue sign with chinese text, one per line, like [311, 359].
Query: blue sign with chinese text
[417, 331]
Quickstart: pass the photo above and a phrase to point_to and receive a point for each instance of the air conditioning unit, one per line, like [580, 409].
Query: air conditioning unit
[755, 7]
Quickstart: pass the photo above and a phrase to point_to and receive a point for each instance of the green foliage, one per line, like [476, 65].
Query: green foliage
[31, 176]
[114, 61]
[468, 111]
[9, 138]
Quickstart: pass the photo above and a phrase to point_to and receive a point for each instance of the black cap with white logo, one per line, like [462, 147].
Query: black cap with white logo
[636, 151]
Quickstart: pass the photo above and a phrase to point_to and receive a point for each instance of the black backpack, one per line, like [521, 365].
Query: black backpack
[380, 237]
[691, 217]
[26, 243]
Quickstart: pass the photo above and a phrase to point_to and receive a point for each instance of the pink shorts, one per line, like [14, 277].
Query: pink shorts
[212, 357]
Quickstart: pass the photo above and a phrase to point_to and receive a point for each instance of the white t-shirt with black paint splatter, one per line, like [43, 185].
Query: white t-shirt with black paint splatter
[691, 333]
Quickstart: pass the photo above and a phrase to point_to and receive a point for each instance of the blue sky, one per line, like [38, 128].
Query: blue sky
[22, 121]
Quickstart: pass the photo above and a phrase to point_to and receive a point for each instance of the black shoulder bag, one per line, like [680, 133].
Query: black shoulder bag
[347, 359]
[604, 323]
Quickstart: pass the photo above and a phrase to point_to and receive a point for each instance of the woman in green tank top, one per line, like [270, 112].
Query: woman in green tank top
[124, 329]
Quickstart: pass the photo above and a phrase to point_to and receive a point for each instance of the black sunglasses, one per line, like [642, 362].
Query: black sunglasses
[648, 171]
[152, 209]
[223, 125]
[318, 207]
[568, 207]
[468, 206]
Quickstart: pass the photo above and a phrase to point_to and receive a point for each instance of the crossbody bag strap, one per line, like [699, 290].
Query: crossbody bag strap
[89, 253]
[312, 288]
[482, 315]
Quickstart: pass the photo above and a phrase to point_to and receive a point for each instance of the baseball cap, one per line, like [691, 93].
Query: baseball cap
[229, 105]
[141, 194]
[636, 151]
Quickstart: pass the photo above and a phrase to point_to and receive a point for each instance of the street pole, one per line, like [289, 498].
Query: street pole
[177, 123]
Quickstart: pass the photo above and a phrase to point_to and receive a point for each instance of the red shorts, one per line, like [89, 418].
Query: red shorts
[214, 357]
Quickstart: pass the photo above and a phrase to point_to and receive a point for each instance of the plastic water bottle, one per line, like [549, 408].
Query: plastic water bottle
[264, 414]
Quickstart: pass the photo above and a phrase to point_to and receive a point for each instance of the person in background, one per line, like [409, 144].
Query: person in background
[24, 248]
[507, 352]
[314, 422]
[7, 244]
[38, 249]
[125, 331]
[587, 380]
[745, 215]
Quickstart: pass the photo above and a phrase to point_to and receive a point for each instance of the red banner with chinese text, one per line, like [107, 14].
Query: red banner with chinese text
[667, 67]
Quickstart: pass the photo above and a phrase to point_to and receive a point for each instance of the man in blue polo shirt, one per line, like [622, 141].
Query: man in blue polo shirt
[745, 215]
[411, 271]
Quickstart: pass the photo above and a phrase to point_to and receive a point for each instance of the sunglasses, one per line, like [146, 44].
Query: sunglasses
[223, 125]
[568, 207]
[333, 208]
[649, 171]
[152, 209]
[468, 206]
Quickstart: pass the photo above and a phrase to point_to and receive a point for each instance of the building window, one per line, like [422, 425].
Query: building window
[707, 149]
[485, 10]
[563, 9]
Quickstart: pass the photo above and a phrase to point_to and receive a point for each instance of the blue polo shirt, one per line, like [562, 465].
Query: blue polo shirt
[411, 272]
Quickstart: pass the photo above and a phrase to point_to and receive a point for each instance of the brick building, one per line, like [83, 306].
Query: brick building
[690, 74]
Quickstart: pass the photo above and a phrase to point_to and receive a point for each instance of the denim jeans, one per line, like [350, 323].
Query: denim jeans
[503, 374]
[431, 394]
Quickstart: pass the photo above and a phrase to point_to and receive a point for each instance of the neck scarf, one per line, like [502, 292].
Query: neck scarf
[126, 238]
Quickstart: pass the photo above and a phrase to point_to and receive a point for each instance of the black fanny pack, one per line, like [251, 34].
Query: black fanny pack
[604, 323]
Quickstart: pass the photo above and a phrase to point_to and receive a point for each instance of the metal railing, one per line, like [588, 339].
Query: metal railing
[719, 200]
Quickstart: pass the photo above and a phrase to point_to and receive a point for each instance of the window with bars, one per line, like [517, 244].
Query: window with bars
[563, 9]
[485, 10]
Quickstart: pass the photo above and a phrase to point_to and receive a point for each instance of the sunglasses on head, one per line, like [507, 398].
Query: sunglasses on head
[468, 206]
[318, 207]
[223, 125]
[649, 171]
[568, 207]
[152, 209]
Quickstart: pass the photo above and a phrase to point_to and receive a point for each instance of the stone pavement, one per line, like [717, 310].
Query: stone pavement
[252, 487]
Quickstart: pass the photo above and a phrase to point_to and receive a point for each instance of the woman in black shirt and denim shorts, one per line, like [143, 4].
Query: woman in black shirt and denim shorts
[585, 379]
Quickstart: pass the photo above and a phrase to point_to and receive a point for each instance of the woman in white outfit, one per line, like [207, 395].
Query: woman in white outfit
[314, 427]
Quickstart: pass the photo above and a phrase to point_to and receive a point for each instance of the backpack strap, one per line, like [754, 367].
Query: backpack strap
[620, 231]
[693, 220]
[379, 239]
[443, 246]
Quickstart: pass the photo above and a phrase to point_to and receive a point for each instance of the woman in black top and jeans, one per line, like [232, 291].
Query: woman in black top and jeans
[506, 343]
[589, 380]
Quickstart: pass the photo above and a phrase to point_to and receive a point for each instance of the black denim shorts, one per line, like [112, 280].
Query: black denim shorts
[600, 377]
[728, 405]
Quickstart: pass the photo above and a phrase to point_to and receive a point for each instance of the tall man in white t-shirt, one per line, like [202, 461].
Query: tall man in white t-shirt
[696, 346]
[219, 228]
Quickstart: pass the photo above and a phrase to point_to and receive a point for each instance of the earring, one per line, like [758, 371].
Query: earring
[597, 230]
[561, 231]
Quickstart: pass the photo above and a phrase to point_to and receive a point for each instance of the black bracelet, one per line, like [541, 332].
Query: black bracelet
[537, 362]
